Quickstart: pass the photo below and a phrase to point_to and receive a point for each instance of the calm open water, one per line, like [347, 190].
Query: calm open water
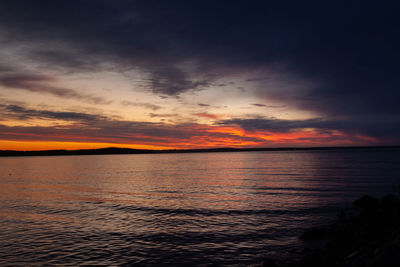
[201, 209]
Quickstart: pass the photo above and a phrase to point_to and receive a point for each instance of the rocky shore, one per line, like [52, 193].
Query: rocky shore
[367, 234]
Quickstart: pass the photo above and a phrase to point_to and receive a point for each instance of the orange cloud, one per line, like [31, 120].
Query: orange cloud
[163, 136]
[208, 115]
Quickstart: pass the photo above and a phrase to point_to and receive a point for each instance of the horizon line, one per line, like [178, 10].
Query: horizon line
[124, 150]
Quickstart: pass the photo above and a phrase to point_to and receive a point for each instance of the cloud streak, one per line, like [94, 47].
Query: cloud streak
[236, 133]
[140, 104]
[42, 84]
[382, 131]
[22, 113]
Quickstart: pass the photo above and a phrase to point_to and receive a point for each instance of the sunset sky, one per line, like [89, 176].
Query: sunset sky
[198, 74]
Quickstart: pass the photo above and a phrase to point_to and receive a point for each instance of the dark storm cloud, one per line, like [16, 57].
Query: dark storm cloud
[347, 50]
[71, 60]
[5, 68]
[83, 35]
[42, 84]
[171, 81]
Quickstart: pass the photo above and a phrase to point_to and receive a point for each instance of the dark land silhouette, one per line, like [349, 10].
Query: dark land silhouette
[116, 150]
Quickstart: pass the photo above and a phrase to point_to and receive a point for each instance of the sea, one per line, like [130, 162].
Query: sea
[192, 209]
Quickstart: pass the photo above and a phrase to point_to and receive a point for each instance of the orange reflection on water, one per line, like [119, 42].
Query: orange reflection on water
[31, 216]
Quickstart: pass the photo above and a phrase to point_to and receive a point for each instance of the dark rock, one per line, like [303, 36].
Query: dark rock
[366, 235]
[390, 202]
[316, 233]
[269, 263]
[367, 204]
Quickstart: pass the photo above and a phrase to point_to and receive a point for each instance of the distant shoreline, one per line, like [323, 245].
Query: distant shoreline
[117, 151]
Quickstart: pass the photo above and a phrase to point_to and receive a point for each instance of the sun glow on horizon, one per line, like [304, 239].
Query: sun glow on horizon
[200, 136]
[50, 145]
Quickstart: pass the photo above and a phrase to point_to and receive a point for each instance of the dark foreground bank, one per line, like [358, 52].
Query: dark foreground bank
[367, 234]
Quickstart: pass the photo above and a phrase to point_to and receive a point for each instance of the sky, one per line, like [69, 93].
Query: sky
[171, 74]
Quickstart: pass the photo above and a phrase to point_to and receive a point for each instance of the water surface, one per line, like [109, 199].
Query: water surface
[176, 209]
